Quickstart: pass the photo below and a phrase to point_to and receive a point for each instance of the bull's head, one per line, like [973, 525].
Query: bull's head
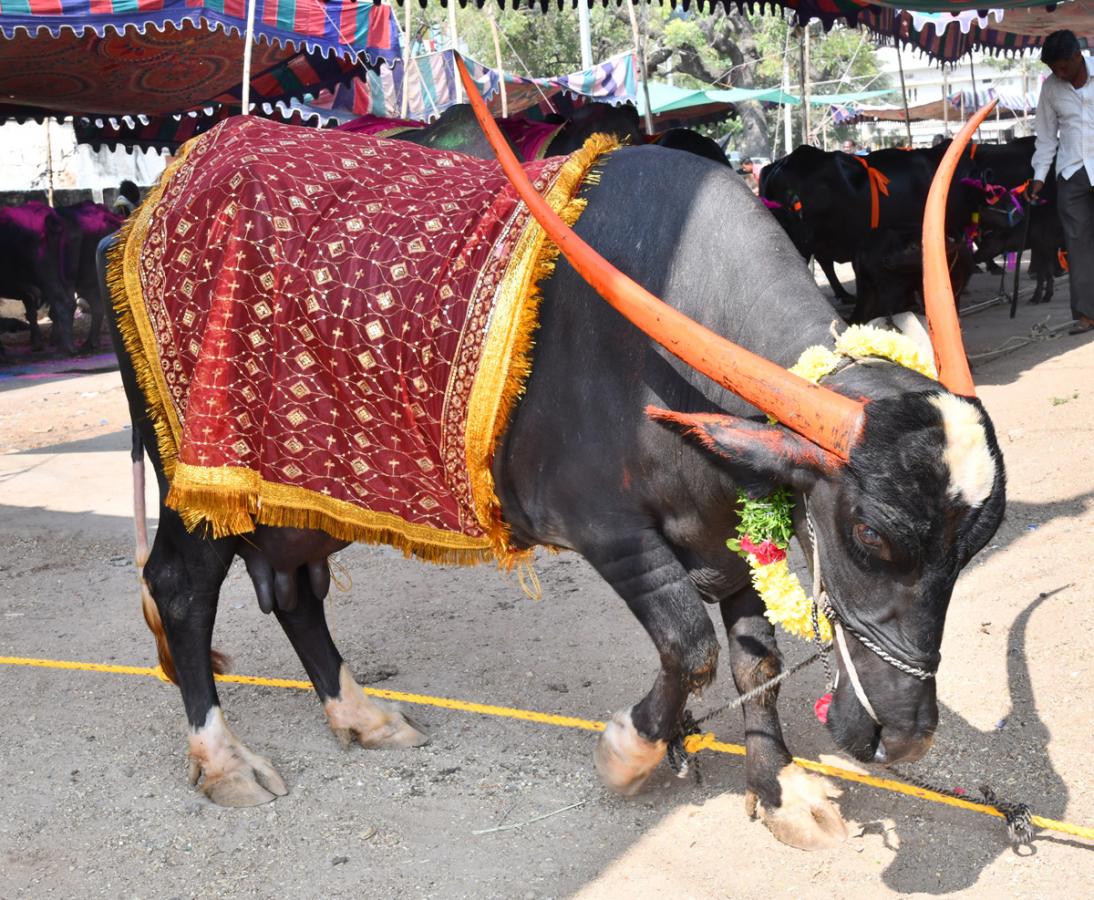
[902, 476]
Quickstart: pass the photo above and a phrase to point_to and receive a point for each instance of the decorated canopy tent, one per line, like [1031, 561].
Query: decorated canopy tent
[928, 25]
[379, 92]
[120, 57]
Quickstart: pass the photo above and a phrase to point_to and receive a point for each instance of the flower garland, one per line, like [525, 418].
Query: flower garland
[767, 524]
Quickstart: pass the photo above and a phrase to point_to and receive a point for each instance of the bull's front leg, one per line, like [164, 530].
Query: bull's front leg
[645, 572]
[796, 806]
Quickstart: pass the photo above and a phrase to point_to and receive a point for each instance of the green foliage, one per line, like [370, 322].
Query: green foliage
[695, 49]
[768, 519]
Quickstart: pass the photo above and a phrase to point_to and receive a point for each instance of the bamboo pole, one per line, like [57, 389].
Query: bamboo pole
[945, 102]
[501, 69]
[640, 55]
[405, 106]
[248, 47]
[453, 38]
[49, 162]
[904, 93]
[803, 79]
[584, 33]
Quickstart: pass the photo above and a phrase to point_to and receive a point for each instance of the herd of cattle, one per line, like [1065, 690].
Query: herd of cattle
[47, 261]
[836, 207]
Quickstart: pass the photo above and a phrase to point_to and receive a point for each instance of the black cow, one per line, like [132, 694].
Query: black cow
[825, 202]
[692, 142]
[889, 273]
[648, 500]
[1003, 226]
[457, 129]
[34, 248]
[87, 224]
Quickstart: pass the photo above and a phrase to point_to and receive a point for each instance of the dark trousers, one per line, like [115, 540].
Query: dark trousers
[1075, 200]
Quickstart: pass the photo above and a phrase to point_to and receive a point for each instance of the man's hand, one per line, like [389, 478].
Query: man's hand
[1034, 191]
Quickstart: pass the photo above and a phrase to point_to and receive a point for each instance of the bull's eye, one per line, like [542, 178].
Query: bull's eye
[871, 541]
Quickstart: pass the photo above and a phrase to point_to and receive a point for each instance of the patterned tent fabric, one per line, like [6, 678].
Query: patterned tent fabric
[129, 57]
[432, 87]
[342, 27]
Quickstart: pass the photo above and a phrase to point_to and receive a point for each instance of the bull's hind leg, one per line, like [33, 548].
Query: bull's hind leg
[353, 716]
[647, 574]
[795, 805]
[183, 575]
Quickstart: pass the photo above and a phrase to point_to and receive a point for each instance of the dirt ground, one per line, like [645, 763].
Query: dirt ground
[92, 773]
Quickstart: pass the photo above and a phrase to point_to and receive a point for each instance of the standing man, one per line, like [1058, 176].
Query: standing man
[1065, 130]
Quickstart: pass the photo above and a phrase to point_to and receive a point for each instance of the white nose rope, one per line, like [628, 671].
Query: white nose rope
[860, 692]
[819, 600]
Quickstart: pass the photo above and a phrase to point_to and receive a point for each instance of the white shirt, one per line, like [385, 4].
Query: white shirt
[1062, 110]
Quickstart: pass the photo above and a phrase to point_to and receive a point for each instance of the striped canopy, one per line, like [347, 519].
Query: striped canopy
[127, 57]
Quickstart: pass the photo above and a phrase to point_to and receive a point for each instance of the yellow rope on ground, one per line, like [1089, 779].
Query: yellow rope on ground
[693, 743]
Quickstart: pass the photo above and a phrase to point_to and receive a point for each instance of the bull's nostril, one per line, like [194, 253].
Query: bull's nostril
[880, 756]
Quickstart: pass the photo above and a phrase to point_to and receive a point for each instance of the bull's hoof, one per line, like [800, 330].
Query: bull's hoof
[625, 759]
[353, 716]
[806, 818]
[230, 774]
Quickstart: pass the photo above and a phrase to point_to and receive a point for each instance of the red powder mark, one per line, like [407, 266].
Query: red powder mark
[820, 708]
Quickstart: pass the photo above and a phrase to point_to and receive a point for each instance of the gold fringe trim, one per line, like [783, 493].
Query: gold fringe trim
[507, 353]
[124, 283]
[231, 500]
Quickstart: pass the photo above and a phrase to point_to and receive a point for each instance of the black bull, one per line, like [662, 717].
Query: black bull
[650, 505]
[825, 202]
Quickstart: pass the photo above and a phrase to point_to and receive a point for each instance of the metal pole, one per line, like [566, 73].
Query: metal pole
[788, 140]
[454, 40]
[583, 32]
[945, 102]
[640, 55]
[248, 46]
[975, 95]
[501, 69]
[405, 107]
[803, 63]
[904, 93]
[49, 163]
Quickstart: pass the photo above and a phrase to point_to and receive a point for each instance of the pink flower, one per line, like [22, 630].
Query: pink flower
[820, 708]
[766, 552]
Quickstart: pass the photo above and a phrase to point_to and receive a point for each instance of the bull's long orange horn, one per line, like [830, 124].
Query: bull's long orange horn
[828, 419]
[938, 299]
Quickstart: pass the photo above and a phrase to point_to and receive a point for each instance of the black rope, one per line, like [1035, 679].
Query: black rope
[1018, 816]
[678, 757]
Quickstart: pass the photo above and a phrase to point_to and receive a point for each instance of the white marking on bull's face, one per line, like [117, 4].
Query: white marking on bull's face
[971, 464]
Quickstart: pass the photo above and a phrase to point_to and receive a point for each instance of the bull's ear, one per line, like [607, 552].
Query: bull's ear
[760, 456]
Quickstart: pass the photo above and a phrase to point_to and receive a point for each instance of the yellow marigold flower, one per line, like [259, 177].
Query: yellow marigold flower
[786, 602]
[861, 341]
[814, 363]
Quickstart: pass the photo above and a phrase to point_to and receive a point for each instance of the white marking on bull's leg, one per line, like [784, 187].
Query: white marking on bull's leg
[624, 758]
[971, 464]
[234, 776]
[355, 716]
[806, 817]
